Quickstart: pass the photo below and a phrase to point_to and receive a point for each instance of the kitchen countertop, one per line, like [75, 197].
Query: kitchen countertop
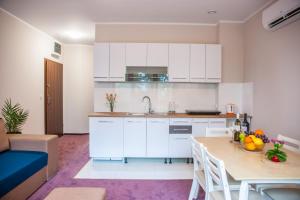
[156, 115]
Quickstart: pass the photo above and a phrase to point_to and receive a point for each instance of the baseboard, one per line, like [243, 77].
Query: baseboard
[76, 133]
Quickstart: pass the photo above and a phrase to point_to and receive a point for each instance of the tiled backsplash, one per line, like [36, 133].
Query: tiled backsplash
[129, 96]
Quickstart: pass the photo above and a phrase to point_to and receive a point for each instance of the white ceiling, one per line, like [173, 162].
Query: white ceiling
[62, 18]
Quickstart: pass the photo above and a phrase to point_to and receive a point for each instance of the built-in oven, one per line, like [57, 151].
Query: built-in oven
[180, 131]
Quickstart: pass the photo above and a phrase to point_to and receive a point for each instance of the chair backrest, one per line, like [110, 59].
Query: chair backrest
[197, 152]
[290, 143]
[218, 132]
[215, 175]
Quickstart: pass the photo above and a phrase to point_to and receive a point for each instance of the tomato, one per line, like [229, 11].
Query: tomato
[275, 159]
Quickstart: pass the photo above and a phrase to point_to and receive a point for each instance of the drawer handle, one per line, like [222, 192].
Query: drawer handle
[156, 122]
[217, 122]
[180, 129]
[100, 77]
[115, 77]
[179, 78]
[180, 122]
[200, 122]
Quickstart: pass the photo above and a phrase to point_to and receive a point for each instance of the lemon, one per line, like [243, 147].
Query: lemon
[250, 146]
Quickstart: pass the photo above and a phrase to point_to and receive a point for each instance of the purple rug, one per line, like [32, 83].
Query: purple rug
[73, 150]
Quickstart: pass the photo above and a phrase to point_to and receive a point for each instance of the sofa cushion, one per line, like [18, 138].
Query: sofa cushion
[4, 143]
[17, 166]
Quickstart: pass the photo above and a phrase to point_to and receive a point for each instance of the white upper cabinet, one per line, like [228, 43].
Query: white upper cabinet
[101, 61]
[117, 62]
[213, 63]
[157, 55]
[185, 62]
[136, 54]
[179, 59]
[197, 63]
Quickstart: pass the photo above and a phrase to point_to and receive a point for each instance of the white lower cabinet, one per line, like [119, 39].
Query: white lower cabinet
[217, 123]
[135, 137]
[199, 126]
[106, 137]
[116, 137]
[157, 137]
[180, 146]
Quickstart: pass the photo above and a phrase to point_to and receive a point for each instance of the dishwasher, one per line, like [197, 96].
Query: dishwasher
[180, 132]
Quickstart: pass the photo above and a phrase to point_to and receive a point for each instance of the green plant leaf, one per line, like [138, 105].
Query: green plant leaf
[14, 116]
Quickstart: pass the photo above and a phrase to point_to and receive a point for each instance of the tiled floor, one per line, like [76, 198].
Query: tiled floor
[74, 155]
[137, 168]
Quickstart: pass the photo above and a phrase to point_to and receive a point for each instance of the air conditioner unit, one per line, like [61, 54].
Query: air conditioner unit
[281, 13]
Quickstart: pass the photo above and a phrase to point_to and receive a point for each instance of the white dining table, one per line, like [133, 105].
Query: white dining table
[252, 167]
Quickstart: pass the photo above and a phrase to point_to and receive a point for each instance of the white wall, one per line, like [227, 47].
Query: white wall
[78, 87]
[22, 52]
[272, 62]
[129, 99]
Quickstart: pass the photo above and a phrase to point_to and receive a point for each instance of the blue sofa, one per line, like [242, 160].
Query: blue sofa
[17, 166]
[27, 162]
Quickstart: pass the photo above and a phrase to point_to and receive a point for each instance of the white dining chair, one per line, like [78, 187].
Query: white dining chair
[217, 183]
[290, 143]
[199, 177]
[273, 189]
[218, 132]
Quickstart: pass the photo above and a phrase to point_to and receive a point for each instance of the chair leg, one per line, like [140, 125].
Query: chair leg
[194, 190]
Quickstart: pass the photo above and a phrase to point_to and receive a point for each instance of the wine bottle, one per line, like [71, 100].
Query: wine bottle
[237, 128]
[245, 124]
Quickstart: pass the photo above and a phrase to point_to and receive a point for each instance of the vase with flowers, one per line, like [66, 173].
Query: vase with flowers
[275, 154]
[111, 100]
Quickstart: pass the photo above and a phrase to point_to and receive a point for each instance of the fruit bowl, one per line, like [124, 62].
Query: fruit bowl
[251, 146]
[253, 143]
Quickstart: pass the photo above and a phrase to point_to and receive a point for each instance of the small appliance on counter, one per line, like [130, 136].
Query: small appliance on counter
[230, 110]
[203, 112]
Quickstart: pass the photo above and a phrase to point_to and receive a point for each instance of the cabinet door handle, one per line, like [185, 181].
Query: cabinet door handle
[180, 122]
[156, 122]
[181, 138]
[102, 121]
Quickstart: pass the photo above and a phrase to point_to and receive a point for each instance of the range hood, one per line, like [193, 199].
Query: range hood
[146, 74]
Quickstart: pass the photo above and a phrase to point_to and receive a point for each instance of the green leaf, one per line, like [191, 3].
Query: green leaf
[14, 116]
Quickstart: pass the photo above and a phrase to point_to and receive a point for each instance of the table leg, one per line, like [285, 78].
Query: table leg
[244, 191]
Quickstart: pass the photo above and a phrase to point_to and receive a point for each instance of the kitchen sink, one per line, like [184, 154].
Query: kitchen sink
[146, 114]
[135, 114]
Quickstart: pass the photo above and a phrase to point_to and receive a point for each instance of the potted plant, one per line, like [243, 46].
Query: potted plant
[14, 116]
[275, 154]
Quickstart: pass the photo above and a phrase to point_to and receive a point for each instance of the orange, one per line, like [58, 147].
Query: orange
[248, 140]
[259, 132]
[250, 146]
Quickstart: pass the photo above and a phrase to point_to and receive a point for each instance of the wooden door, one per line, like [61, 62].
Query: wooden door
[53, 97]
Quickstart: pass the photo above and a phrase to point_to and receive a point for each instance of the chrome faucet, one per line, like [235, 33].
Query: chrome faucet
[150, 104]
